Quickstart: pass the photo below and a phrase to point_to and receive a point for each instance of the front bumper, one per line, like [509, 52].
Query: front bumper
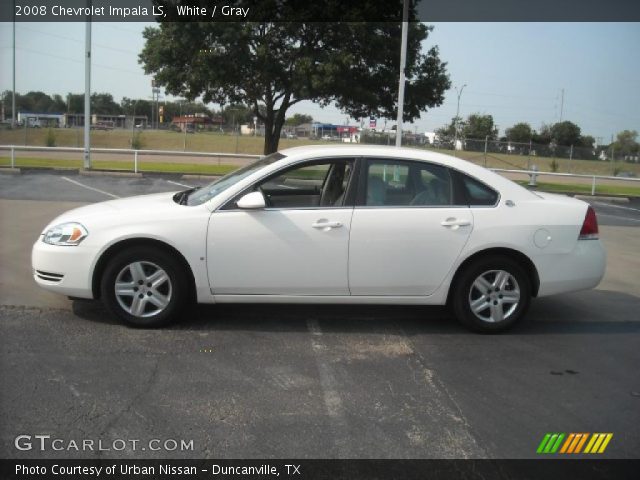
[64, 270]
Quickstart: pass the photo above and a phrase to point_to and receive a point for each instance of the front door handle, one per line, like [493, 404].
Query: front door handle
[454, 223]
[326, 224]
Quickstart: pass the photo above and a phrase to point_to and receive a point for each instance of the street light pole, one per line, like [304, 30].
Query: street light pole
[403, 63]
[133, 122]
[13, 101]
[87, 92]
[455, 140]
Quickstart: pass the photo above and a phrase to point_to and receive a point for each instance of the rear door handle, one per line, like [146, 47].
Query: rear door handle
[454, 223]
[326, 225]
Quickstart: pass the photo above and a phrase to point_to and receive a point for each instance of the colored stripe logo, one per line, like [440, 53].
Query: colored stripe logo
[574, 443]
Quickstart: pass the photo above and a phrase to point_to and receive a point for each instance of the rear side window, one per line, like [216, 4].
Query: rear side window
[403, 183]
[477, 193]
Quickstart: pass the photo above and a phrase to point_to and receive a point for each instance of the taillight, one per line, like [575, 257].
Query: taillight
[589, 230]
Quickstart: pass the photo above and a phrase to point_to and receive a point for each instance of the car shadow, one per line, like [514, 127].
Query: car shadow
[589, 312]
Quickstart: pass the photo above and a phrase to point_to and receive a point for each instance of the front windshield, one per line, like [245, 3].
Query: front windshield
[207, 192]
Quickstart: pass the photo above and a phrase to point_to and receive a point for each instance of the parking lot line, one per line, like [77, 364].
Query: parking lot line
[89, 188]
[602, 204]
[618, 217]
[329, 385]
[179, 184]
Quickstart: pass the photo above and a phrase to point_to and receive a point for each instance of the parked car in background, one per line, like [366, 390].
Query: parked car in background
[333, 224]
[102, 126]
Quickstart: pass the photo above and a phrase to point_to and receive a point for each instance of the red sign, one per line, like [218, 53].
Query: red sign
[372, 122]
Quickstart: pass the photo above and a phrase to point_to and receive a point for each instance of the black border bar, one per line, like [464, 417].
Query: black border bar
[320, 10]
[534, 469]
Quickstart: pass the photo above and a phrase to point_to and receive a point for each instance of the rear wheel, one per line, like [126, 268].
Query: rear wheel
[145, 287]
[492, 294]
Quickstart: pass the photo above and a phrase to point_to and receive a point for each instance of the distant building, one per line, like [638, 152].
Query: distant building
[324, 130]
[68, 120]
[40, 120]
[197, 121]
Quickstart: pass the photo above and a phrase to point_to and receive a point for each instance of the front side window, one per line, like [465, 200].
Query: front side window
[217, 187]
[311, 185]
[403, 184]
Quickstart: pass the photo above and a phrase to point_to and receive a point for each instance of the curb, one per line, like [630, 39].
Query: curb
[108, 173]
[586, 198]
[200, 177]
[10, 171]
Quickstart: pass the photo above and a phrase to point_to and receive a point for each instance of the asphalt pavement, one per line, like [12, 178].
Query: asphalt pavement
[278, 381]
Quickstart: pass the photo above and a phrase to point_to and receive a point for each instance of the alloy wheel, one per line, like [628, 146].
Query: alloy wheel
[143, 289]
[494, 296]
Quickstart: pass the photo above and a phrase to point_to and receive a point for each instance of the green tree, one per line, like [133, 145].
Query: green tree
[448, 132]
[103, 103]
[129, 106]
[58, 105]
[626, 143]
[75, 101]
[565, 133]
[479, 126]
[520, 133]
[298, 119]
[542, 137]
[586, 141]
[237, 114]
[276, 65]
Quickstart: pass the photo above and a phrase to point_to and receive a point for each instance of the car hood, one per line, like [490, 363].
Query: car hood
[146, 205]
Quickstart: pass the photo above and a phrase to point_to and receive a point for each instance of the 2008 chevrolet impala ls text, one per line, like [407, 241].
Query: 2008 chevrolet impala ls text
[335, 224]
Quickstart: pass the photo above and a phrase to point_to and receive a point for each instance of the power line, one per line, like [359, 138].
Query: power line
[68, 59]
[76, 40]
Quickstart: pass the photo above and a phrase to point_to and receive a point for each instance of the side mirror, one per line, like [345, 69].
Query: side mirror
[251, 201]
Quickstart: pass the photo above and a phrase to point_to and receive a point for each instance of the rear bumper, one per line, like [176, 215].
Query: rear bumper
[581, 269]
[64, 270]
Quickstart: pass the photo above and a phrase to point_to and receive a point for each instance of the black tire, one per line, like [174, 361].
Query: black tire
[491, 301]
[174, 291]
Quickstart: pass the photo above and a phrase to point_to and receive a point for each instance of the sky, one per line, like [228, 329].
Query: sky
[516, 72]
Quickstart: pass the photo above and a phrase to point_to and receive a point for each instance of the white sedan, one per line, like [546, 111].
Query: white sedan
[333, 224]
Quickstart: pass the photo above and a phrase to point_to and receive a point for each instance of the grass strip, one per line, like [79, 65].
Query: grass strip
[162, 167]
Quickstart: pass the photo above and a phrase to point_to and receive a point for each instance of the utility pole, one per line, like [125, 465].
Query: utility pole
[561, 103]
[403, 63]
[87, 91]
[13, 102]
[455, 134]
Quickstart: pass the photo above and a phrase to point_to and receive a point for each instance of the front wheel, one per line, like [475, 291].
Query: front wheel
[145, 287]
[491, 294]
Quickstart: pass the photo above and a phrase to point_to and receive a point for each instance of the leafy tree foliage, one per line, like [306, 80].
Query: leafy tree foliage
[75, 101]
[565, 133]
[447, 132]
[479, 126]
[276, 65]
[543, 137]
[520, 133]
[587, 141]
[35, 102]
[298, 119]
[626, 143]
[104, 104]
[237, 114]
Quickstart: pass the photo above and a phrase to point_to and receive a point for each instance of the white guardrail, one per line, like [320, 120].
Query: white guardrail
[124, 151]
[533, 173]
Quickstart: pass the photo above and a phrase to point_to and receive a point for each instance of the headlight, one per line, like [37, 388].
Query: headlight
[65, 234]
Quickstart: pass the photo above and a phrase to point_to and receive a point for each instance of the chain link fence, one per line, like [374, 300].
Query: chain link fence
[521, 156]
